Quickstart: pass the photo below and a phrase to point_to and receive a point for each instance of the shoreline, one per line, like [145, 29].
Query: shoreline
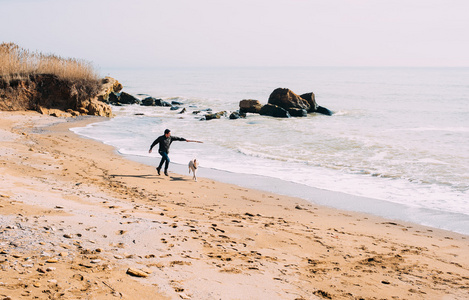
[193, 240]
[454, 222]
[418, 209]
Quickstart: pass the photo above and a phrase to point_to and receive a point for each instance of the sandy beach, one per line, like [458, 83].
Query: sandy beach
[79, 221]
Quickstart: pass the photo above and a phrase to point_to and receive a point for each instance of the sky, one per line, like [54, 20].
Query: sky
[194, 33]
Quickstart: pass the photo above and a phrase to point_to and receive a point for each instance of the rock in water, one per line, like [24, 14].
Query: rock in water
[324, 111]
[125, 98]
[274, 111]
[311, 99]
[217, 115]
[250, 106]
[297, 112]
[236, 115]
[109, 86]
[286, 99]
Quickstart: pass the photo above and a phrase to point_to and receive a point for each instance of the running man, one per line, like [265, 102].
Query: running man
[165, 142]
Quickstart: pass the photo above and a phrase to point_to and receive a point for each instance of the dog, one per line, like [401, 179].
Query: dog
[193, 165]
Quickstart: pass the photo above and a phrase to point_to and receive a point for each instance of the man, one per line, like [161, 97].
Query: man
[165, 141]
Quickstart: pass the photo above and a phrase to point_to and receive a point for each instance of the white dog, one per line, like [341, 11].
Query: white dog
[193, 165]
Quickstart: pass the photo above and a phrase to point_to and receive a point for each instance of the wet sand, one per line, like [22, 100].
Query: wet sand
[78, 221]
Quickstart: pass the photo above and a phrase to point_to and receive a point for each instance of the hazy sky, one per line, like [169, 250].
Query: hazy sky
[243, 32]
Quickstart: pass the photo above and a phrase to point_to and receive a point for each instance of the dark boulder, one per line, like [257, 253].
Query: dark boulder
[122, 98]
[250, 106]
[183, 110]
[112, 99]
[297, 112]
[311, 99]
[125, 98]
[176, 102]
[324, 111]
[150, 101]
[285, 98]
[274, 111]
[174, 108]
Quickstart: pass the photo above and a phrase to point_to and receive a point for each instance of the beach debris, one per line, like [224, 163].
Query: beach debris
[85, 265]
[179, 263]
[322, 294]
[78, 277]
[116, 293]
[136, 272]
[183, 296]
[45, 254]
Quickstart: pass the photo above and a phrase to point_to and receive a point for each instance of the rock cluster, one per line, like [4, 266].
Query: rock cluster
[284, 103]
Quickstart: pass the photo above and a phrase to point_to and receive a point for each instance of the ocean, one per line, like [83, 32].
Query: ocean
[398, 135]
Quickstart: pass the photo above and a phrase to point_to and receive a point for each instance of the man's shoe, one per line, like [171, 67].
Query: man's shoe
[158, 170]
[166, 173]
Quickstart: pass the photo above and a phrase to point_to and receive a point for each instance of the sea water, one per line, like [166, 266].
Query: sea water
[399, 135]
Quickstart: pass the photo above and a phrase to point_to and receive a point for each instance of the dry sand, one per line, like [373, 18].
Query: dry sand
[75, 217]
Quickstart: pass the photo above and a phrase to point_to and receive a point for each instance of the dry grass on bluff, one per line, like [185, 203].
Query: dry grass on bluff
[36, 81]
[17, 63]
